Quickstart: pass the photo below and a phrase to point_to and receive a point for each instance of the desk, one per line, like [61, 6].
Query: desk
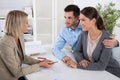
[59, 71]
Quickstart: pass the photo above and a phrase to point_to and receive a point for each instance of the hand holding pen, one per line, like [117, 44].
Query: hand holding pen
[41, 59]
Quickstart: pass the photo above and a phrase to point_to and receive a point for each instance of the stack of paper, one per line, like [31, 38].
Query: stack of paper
[34, 48]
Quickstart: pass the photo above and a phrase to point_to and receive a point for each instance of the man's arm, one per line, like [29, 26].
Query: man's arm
[110, 43]
[59, 45]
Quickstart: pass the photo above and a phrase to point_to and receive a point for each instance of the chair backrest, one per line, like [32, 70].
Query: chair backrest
[116, 53]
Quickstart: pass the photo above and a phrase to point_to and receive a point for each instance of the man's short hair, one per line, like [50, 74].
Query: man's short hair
[74, 8]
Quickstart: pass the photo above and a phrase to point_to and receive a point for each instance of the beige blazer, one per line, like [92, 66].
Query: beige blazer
[11, 59]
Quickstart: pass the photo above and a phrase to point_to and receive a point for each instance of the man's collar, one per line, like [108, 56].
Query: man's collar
[78, 27]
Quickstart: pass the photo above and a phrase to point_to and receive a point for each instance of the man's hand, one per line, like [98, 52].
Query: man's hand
[110, 43]
[71, 64]
[65, 59]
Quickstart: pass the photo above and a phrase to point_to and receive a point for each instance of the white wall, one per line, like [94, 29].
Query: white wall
[84, 3]
[14, 4]
[7, 5]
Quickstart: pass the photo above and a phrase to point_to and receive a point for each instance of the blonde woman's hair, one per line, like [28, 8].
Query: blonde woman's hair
[15, 21]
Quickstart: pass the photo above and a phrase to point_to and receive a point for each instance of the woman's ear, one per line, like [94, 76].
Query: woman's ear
[94, 20]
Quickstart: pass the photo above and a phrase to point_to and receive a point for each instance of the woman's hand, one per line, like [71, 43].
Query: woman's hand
[84, 63]
[46, 63]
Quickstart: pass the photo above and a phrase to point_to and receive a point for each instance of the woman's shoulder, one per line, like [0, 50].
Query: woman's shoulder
[106, 33]
[7, 41]
[84, 33]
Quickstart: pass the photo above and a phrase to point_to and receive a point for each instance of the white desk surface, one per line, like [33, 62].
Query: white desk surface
[59, 71]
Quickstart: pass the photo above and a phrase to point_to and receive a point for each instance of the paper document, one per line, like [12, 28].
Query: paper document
[34, 47]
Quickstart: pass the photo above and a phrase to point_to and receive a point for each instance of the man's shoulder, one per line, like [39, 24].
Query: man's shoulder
[79, 26]
[64, 30]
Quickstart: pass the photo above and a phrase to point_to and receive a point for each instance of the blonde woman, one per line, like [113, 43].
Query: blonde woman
[12, 53]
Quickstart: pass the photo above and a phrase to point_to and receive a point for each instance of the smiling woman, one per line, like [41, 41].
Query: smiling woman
[90, 52]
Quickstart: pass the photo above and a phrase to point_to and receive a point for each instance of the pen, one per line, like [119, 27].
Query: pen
[55, 61]
[42, 58]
